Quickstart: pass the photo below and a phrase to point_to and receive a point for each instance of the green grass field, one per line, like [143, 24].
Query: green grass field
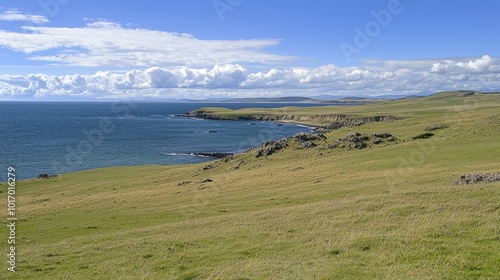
[389, 211]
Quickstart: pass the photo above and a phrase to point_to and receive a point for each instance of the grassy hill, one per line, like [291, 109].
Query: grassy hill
[388, 211]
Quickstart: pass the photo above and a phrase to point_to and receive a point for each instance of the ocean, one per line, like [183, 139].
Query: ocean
[61, 137]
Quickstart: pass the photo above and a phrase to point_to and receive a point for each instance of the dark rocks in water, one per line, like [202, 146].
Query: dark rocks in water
[426, 135]
[206, 131]
[280, 124]
[270, 147]
[478, 178]
[252, 123]
[45, 176]
[436, 126]
[213, 155]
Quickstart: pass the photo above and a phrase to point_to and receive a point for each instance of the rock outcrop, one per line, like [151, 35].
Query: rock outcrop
[213, 155]
[357, 140]
[304, 137]
[207, 167]
[426, 135]
[382, 135]
[436, 126]
[478, 178]
[45, 176]
[270, 147]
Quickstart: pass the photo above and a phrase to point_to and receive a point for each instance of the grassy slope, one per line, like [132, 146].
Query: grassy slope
[384, 212]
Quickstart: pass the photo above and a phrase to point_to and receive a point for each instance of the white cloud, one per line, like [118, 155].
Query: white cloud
[231, 80]
[16, 15]
[101, 44]
[481, 65]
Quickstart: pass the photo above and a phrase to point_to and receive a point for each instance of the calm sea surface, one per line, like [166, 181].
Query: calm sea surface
[60, 137]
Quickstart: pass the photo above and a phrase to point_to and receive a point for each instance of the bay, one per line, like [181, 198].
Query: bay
[60, 137]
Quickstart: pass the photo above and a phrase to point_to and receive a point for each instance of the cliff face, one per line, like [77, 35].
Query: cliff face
[210, 116]
[323, 121]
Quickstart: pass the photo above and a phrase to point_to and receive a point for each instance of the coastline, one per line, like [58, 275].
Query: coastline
[202, 115]
[165, 152]
[241, 118]
[291, 196]
[316, 122]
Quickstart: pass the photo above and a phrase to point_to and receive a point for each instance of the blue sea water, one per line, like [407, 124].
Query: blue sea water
[60, 137]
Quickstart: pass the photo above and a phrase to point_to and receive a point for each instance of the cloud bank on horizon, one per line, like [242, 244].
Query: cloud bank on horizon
[159, 64]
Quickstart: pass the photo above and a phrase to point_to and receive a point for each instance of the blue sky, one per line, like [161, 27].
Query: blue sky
[57, 49]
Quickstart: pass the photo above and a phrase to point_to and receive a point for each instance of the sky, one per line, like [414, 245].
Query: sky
[199, 49]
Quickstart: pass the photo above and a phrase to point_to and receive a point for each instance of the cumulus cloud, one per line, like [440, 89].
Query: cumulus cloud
[234, 80]
[135, 83]
[16, 15]
[481, 65]
[101, 44]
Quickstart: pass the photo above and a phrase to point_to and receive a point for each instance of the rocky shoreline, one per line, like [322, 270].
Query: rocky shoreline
[332, 122]
[213, 155]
